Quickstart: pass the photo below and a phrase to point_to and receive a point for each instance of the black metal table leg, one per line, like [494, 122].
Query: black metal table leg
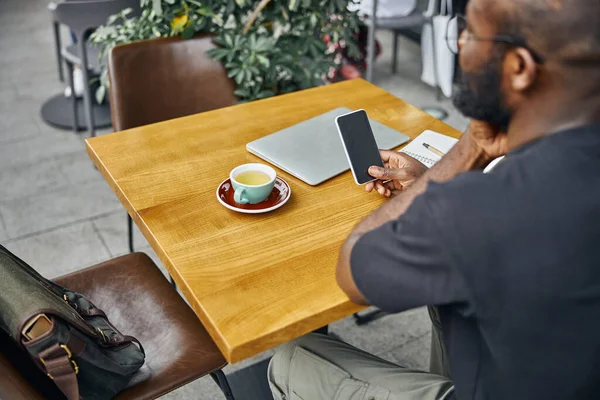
[324, 330]
[369, 316]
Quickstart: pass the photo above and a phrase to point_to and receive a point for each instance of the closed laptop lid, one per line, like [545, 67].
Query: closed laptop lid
[312, 150]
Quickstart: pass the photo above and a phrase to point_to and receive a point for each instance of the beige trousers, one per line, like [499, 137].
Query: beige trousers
[318, 367]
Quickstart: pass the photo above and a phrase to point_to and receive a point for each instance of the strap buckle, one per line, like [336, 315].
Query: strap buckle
[69, 356]
[104, 338]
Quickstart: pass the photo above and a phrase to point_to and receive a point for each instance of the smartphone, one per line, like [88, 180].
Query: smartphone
[360, 145]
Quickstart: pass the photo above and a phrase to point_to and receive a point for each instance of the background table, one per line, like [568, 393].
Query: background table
[255, 281]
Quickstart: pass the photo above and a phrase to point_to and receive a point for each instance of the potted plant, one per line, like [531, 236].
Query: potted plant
[268, 47]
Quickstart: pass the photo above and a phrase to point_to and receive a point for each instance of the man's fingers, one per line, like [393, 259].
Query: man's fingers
[378, 172]
[391, 185]
[409, 161]
[369, 187]
[386, 155]
[385, 174]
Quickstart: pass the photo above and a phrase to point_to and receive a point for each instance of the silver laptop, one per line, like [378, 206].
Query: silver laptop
[312, 150]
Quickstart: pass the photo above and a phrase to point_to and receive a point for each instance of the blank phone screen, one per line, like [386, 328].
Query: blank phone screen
[360, 144]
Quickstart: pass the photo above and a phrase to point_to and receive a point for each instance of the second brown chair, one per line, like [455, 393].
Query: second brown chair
[139, 301]
[161, 79]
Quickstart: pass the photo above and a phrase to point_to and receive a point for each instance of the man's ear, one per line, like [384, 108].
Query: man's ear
[521, 68]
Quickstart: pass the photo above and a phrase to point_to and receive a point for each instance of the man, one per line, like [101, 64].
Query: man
[511, 258]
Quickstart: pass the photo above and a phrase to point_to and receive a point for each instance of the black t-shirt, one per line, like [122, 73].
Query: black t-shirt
[513, 260]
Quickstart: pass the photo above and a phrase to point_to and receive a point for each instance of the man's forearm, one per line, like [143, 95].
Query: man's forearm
[464, 156]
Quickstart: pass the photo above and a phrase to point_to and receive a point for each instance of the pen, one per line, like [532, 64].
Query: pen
[433, 150]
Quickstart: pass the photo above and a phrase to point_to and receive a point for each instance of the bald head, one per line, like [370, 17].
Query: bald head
[563, 30]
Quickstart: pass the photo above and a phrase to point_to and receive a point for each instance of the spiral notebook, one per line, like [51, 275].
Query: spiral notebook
[416, 149]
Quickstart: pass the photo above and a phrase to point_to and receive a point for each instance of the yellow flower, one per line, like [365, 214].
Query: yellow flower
[179, 22]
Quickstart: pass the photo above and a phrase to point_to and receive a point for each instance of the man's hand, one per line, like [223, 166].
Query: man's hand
[488, 139]
[400, 171]
[479, 145]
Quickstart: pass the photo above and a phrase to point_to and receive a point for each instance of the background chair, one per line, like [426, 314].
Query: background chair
[82, 17]
[410, 25]
[160, 79]
[140, 302]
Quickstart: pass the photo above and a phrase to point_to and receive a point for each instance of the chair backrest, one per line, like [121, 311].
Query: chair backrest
[82, 16]
[160, 79]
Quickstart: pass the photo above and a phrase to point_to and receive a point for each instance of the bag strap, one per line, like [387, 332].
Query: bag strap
[61, 369]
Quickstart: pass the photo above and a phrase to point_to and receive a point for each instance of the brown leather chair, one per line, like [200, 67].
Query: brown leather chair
[17, 374]
[161, 79]
[140, 302]
[13, 385]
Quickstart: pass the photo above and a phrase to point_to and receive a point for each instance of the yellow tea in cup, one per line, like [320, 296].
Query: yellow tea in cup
[253, 183]
[253, 178]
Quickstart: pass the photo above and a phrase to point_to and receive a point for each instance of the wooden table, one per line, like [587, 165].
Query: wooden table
[255, 281]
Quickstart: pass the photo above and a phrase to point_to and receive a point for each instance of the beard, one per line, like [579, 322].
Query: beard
[479, 95]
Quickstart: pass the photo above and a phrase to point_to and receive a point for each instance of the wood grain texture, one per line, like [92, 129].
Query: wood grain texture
[255, 281]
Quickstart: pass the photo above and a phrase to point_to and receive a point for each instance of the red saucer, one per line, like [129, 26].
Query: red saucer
[278, 197]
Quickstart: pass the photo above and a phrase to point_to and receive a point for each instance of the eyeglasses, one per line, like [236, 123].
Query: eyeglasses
[457, 27]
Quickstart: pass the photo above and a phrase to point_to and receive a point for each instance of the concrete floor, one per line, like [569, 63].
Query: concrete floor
[58, 214]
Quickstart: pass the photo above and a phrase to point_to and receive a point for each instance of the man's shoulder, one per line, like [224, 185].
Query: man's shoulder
[473, 201]
[469, 189]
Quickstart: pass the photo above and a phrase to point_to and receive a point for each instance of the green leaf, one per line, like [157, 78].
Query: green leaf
[230, 7]
[214, 53]
[220, 41]
[229, 40]
[239, 77]
[265, 93]
[353, 50]
[188, 31]
[263, 60]
[100, 94]
[240, 3]
[237, 43]
[157, 7]
[111, 20]
[263, 44]
[293, 5]
[233, 72]
[242, 93]
[200, 27]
